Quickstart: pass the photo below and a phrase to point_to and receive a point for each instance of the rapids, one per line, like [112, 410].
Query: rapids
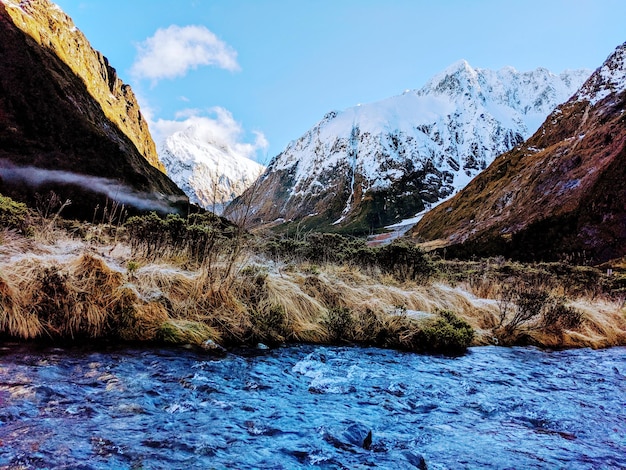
[311, 407]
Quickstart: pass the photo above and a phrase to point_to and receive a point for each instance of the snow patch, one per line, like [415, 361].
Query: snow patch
[608, 79]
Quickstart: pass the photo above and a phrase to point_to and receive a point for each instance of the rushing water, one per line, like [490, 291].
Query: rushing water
[310, 406]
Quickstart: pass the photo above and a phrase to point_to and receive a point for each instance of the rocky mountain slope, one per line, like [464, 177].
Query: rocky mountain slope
[378, 163]
[51, 28]
[560, 194]
[67, 122]
[210, 173]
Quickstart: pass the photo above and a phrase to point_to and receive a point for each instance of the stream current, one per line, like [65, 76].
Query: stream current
[312, 407]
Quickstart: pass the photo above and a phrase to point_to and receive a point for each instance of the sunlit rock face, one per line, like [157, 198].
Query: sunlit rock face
[46, 24]
[63, 109]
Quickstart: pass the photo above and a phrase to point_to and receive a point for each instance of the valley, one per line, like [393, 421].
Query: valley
[436, 279]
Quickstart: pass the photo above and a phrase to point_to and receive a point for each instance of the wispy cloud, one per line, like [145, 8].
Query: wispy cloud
[33, 176]
[215, 125]
[174, 50]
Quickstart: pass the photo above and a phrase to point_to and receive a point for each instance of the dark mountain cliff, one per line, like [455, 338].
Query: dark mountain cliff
[49, 120]
[561, 194]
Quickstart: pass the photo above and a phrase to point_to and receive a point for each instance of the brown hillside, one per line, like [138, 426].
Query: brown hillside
[560, 194]
[52, 29]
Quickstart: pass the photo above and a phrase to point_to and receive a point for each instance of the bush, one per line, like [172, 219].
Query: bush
[269, 325]
[529, 306]
[339, 324]
[524, 308]
[403, 260]
[561, 317]
[446, 333]
[368, 328]
[13, 214]
[196, 237]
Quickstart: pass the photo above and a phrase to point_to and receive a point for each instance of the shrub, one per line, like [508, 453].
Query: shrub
[559, 317]
[269, 325]
[132, 267]
[529, 306]
[446, 333]
[13, 214]
[524, 308]
[405, 261]
[196, 237]
[339, 324]
[368, 328]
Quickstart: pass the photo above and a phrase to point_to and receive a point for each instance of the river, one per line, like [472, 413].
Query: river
[311, 407]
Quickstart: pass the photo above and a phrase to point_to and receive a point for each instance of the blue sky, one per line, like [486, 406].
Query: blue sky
[260, 73]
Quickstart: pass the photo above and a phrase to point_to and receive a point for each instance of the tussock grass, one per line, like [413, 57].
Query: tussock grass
[77, 286]
[15, 320]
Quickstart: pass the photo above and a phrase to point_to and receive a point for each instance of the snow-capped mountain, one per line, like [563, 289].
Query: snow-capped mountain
[558, 195]
[378, 163]
[210, 173]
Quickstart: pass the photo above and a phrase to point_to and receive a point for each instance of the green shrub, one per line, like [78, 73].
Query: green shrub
[403, 260]
[132, 267]
[559, 316]
[269, 325]
[368, 328]
[197, 236]
[13, 214]
[446, 333]
[524, 308]
[339, 324]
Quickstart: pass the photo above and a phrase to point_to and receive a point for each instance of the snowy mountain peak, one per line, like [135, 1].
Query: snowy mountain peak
[459, 79]
[559, 194]
[377, 163]
[609, 78]
[210, 172]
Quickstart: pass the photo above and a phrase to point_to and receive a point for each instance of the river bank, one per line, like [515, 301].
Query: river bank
[67, 282]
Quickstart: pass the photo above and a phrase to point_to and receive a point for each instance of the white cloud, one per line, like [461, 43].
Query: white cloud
[173, 51]
[217, 126]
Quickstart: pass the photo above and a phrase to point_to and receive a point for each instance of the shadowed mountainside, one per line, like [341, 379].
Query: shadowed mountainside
[49, 120]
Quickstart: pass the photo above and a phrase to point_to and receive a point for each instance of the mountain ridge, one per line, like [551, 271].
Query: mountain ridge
[55, 136]
[211, 175]
[560, 193]
[47, 24]
[375, 164]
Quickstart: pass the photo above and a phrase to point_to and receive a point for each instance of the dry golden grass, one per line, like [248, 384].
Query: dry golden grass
[14, 320]
[303, 312]
[72, 289]
[604, 319]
